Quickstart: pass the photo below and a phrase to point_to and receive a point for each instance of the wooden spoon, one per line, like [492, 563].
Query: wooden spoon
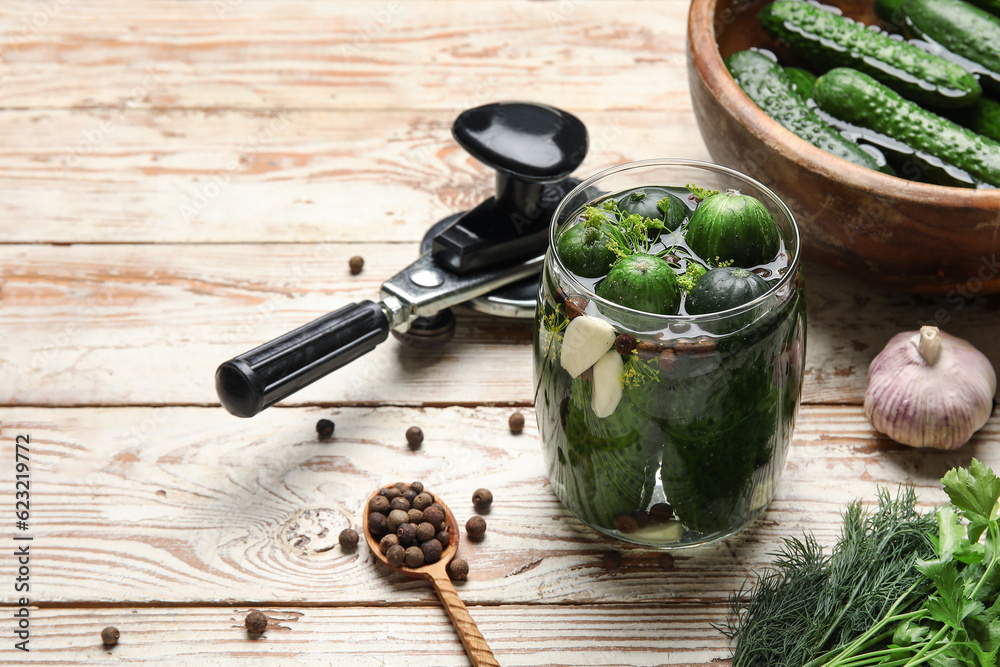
[475, 645]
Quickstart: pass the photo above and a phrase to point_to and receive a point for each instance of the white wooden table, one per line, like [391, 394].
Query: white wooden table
[180, 181]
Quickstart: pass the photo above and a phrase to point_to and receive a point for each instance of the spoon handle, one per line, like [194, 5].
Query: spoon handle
[473, 641]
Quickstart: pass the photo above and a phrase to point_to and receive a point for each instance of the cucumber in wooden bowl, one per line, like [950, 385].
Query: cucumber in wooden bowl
[958, 26]
[826, 40]
[859, 99]
[769, 87]
[732, 227]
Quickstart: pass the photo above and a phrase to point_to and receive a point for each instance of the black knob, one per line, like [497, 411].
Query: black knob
[533, 148]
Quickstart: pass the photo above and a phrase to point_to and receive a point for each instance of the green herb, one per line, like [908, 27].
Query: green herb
[906, 590]
[692, 273]
[700, 193]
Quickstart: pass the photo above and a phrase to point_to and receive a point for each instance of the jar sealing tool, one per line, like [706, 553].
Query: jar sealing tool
[466, 258]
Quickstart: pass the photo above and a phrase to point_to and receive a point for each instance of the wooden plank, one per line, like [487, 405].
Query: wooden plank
[190, 505]
[550, 635]
[139, 175]
[148, 324]
[278, 54]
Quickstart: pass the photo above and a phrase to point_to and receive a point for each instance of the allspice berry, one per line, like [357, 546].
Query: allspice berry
[457, 569]
[417, 486]
[444, 537]
[256, 622]
[516, 422]
[414, 437]
[387, 542]
[395, 555]
[324, 428]
[414, 557]
[482, 499]
[434, 515]
[423, 501]
[425, 531]
[626, 523]
[110, 635]
[407, 534]
[432, 550]
[666, 562]
[415, 516]
[348, 539]
[379, 504]
[377, 524]
[395, 519]
[400, 503]
[476, 527]
[356, 263]
[612, 560]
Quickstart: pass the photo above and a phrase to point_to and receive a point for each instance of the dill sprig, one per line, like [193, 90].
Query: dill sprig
[808, 604]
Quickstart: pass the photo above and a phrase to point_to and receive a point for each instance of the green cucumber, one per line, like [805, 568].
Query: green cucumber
[655, 203]
[983, 117]
[767, 85]
[802, 79]
[730, 227]
[857, 98]
[583, 249]
[959, 27]
[830, 40]
[724, 288]
[642, 282]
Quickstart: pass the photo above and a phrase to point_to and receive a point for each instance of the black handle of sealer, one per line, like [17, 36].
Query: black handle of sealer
[263, 376]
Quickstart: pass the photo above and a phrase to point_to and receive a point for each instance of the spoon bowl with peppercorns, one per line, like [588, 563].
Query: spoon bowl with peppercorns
[412, 531]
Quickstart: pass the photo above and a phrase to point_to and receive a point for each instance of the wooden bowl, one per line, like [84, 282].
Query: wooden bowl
[887, 230]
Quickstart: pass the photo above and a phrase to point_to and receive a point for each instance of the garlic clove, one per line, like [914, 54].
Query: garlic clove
[928, 388]
[585, 341]
[607, 383]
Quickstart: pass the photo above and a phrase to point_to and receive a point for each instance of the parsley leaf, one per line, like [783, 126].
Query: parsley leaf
[975, 491]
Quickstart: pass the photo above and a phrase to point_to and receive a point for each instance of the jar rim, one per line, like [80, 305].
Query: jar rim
[570, 277]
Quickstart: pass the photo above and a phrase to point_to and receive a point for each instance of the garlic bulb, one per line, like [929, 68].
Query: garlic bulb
[929, 389]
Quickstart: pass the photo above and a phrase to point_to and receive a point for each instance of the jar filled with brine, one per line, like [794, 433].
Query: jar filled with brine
[668, 350]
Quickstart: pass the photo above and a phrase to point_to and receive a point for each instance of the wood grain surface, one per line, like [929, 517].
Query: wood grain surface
[182, 180]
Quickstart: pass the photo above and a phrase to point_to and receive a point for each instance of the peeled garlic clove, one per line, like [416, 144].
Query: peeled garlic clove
[929, 389]
[585, 341]
[607, 385]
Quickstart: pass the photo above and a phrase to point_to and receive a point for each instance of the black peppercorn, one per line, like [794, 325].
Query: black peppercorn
[324, 428]
[434, 515]
[407, 533]
[612, 560]
[432, 550]
[516, 422]
[444, 537]
[482, 499]
[379, 504]
[626, 523]
[356, 263]
[400, 503]
[423, 500]
[110, 635]
[414, 437]
[476, 527]
[458, 569]
[414, 557]
[395, 518]
[417, 486]
[387, 542]
[256, 622]
[377, 524]
[348, 539]
[425, 531]
[415, 516]
[395, 555]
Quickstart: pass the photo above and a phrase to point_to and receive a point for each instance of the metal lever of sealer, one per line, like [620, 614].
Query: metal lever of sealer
[533, 148]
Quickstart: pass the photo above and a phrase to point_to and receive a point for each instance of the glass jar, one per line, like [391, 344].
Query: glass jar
[694, 448]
